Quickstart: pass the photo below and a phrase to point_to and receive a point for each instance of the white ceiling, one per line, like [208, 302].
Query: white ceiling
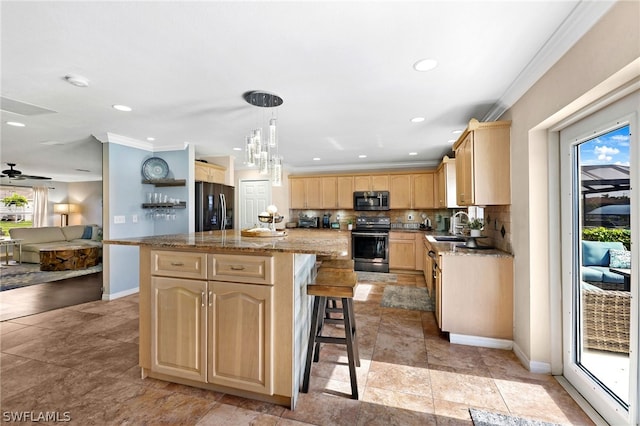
[344, 70]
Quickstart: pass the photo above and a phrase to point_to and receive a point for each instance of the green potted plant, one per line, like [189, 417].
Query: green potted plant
[475, 227]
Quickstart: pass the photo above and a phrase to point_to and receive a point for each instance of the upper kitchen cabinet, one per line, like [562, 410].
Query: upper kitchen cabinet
[411, 191]
[483, 172]
[337, 192]
[206, 172]
[305, 192]
[371, 183]
[446, 184]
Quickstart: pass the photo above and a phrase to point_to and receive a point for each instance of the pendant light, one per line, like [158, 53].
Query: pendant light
[263, 152]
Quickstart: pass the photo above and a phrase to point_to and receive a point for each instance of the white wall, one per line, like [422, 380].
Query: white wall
[595, 65]
[88, 195]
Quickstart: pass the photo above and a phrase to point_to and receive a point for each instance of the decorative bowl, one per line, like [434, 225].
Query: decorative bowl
[270, 218]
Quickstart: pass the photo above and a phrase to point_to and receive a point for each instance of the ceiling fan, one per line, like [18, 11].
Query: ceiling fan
[12, 173]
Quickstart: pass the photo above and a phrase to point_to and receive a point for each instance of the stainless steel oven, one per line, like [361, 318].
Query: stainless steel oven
[370, 244]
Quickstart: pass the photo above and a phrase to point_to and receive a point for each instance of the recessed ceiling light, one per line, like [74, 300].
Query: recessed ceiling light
[457, 132]
[451, 140]
[316, 158]
[122, 108]
[362, 156]
[77, 80]
[237, 149]
[150, 139]
[417, 119]
[413, 153]
[425, 65]
[16, 124]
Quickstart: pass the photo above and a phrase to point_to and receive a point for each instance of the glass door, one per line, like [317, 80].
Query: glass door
[599, 154]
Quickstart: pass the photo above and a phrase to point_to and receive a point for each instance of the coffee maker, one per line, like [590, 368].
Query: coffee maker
[326, 220]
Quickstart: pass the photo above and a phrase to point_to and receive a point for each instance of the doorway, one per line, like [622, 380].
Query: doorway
[599, 280]
[255, 196]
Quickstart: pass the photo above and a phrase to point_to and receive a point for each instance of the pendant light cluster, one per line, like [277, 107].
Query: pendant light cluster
[262, 150]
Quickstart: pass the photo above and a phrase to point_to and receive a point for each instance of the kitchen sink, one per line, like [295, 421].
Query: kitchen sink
[451, 238]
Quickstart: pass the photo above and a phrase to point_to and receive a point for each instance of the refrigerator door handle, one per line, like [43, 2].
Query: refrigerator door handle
[223, 219]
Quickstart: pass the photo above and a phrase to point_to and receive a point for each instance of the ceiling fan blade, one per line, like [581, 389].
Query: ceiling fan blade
[35, 177]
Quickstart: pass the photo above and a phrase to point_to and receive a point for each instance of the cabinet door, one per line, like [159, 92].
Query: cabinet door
[240, 339]
[329, 192]
[314, 193]
[345, 192]
[402, 248]
[423, 191]
[178, 327]
[438, 288]
[361, 183]
[200, 171]
[464, 171]
[380, 183]
[400, 191]
[297, 193]
[441, 184]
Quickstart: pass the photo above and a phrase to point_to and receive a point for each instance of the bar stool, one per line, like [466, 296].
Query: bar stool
[334, 264]
[338, 284]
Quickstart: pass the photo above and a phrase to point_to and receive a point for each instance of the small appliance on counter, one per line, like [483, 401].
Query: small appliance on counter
[308, 222]
[326, 220]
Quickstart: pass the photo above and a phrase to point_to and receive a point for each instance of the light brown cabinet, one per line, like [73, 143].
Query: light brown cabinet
[483, 172]
[337, 192]
[306, 193]
[412, 191]
[402, 250]
[371, 183]
[483, 309]
[206, 172]
[446, 184]
[217, 332]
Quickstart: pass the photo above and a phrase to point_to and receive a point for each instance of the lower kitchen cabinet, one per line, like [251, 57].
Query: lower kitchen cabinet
[213, 331]
[474, 295]
[402, 249]
[178, 327]
[240, 343]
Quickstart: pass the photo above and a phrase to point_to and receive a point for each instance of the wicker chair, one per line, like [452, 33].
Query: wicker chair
[606, 319]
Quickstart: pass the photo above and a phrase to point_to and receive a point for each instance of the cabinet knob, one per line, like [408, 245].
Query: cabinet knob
[237, 268]
[210, 298]
[202, 300]
[177, 264]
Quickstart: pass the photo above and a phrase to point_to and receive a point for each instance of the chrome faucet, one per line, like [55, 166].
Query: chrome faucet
[456, 223]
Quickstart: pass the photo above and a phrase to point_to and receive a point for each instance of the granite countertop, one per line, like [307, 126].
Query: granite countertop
[334, 243]
[452, 248]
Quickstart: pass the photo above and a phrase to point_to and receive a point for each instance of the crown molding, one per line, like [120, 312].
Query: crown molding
[583, 16]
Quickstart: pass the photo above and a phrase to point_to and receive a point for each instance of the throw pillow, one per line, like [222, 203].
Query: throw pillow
[620, 259]
[86, 235]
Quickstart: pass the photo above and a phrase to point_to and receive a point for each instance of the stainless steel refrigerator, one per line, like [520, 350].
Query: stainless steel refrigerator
[214, 206]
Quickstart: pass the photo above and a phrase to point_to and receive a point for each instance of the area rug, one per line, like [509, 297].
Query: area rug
[485, 418]
[407, 297]
[376, 277]
[22, 275]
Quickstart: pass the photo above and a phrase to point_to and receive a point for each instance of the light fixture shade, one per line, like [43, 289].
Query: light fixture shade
[66, 208]
[250, 152]
[276, 171]
[273, 137]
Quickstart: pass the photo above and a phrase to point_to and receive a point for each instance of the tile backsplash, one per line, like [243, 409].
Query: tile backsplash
[498, 226]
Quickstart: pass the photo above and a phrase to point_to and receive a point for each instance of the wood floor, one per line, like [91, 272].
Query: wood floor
[38, 298]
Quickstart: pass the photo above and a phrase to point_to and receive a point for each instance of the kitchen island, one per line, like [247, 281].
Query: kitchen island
[229, 313]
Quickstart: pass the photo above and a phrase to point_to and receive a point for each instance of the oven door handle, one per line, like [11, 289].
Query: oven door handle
[370, 234]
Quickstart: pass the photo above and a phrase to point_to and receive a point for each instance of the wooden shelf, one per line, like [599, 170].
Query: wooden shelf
[166, 182]
[180, 205]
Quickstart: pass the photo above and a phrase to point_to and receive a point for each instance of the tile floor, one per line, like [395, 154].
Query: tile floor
[82, 360]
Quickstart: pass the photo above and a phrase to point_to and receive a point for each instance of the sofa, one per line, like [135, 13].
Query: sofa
[596, 261]
[48, 237]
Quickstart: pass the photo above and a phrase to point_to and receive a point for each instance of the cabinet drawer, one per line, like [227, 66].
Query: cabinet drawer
[244, 269]
[178, 264]
[397, 235]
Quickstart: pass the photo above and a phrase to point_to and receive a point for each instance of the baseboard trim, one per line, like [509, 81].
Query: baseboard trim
[533, 366]
[120, 294]
[485, 342]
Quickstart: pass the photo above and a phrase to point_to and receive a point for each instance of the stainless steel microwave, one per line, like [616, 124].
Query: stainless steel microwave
[371, 200]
